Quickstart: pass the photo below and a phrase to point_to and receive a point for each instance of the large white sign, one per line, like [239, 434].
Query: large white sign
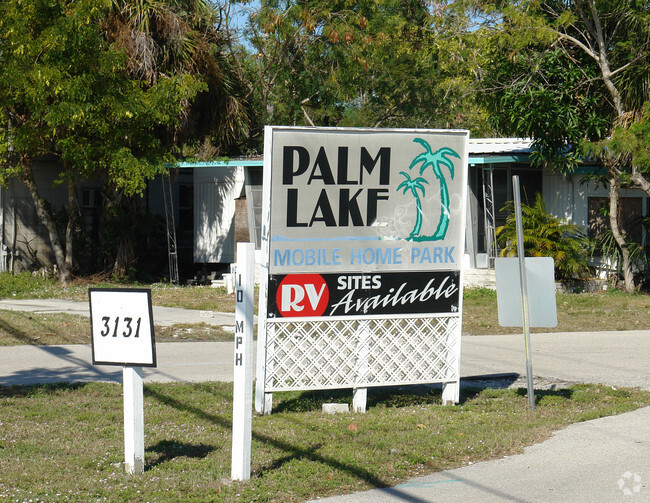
[122, 327]
[367, 200]
[362, 240]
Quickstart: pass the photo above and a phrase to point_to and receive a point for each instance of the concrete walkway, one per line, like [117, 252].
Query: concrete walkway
[605, 460]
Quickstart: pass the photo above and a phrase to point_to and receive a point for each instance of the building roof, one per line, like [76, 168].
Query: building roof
[499, 146]
[481, 151]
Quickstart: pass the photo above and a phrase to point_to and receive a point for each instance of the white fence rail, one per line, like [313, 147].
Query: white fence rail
[341, 353]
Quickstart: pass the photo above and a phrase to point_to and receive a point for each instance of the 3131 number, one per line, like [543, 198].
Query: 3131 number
[113, 326]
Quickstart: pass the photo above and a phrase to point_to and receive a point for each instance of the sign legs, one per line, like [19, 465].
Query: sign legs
[133, 420]
[450, 393]
[359, 399]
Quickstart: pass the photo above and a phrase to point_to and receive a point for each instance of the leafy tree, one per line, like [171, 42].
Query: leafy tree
[567, 73]
[75, 84]
[63, 93]
[546, 236]
[164, 38]
[168, 39]
[385, 63]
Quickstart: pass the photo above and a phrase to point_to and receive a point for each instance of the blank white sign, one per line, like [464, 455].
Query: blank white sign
[540, 279]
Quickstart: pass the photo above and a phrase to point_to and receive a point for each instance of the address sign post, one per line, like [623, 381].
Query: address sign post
[362, 240]
[122, 334]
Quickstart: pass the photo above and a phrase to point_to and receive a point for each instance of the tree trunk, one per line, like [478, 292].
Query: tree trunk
[126, 215]
[73, 214]
[46, 219]
[628, 275]
[123, 257]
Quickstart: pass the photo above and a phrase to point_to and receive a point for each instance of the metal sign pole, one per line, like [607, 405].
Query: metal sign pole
[524, 291]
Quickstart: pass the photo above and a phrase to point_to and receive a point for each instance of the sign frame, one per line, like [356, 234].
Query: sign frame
[107, 322]
[362, 196]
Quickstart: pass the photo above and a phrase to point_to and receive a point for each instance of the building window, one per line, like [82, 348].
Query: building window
[630, 214]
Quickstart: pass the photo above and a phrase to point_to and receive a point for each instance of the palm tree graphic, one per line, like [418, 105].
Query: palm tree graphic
[414, 186]
[434, 160]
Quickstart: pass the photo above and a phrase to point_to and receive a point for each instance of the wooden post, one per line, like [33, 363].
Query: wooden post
[359, 394]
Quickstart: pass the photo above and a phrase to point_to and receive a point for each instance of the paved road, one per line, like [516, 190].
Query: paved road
[613, 358]
[606, 460]
[177, 362]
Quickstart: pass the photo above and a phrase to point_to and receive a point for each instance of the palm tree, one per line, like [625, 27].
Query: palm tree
[414, 186]
[546, 235]
[434, 160]
[179, 39]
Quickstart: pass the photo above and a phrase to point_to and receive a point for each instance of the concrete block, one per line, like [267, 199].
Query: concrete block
[336, 408]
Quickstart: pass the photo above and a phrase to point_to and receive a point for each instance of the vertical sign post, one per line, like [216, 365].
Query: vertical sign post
[242, 413]
[121, 322]
[525, 311]
[133, 420]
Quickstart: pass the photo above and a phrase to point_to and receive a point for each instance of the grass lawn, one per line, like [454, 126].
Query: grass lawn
[577, 312]
[58, 328]
[64, 442]
[584, 312]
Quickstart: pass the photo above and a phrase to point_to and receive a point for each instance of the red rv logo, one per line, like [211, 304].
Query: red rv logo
[302, 295]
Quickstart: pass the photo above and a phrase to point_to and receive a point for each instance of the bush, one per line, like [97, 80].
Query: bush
[546, 235]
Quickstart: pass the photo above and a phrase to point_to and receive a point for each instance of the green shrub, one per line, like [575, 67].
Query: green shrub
[546, 235]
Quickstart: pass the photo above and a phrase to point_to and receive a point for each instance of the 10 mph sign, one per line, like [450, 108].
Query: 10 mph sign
[122, 327]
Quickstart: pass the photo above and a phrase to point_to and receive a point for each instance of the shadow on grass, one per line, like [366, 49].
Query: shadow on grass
[169, 449]
[310, 401]
[293, 452]
[27, 390]
[39, 329]
[16, 333]
[388, 396]
[392, 396]
[547, 394]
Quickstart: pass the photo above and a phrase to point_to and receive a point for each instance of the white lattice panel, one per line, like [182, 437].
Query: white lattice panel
[341, 353]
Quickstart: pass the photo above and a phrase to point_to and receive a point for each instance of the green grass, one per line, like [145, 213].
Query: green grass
[34, 286]
[583, 312]
[64, 442]
[577, 312]
[20, 328]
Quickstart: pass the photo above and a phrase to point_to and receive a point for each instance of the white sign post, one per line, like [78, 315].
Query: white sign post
[133, 420]
[121, 323]
[242, 409]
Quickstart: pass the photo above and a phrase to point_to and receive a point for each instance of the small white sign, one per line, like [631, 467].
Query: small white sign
[540, 278]
[121, 323]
